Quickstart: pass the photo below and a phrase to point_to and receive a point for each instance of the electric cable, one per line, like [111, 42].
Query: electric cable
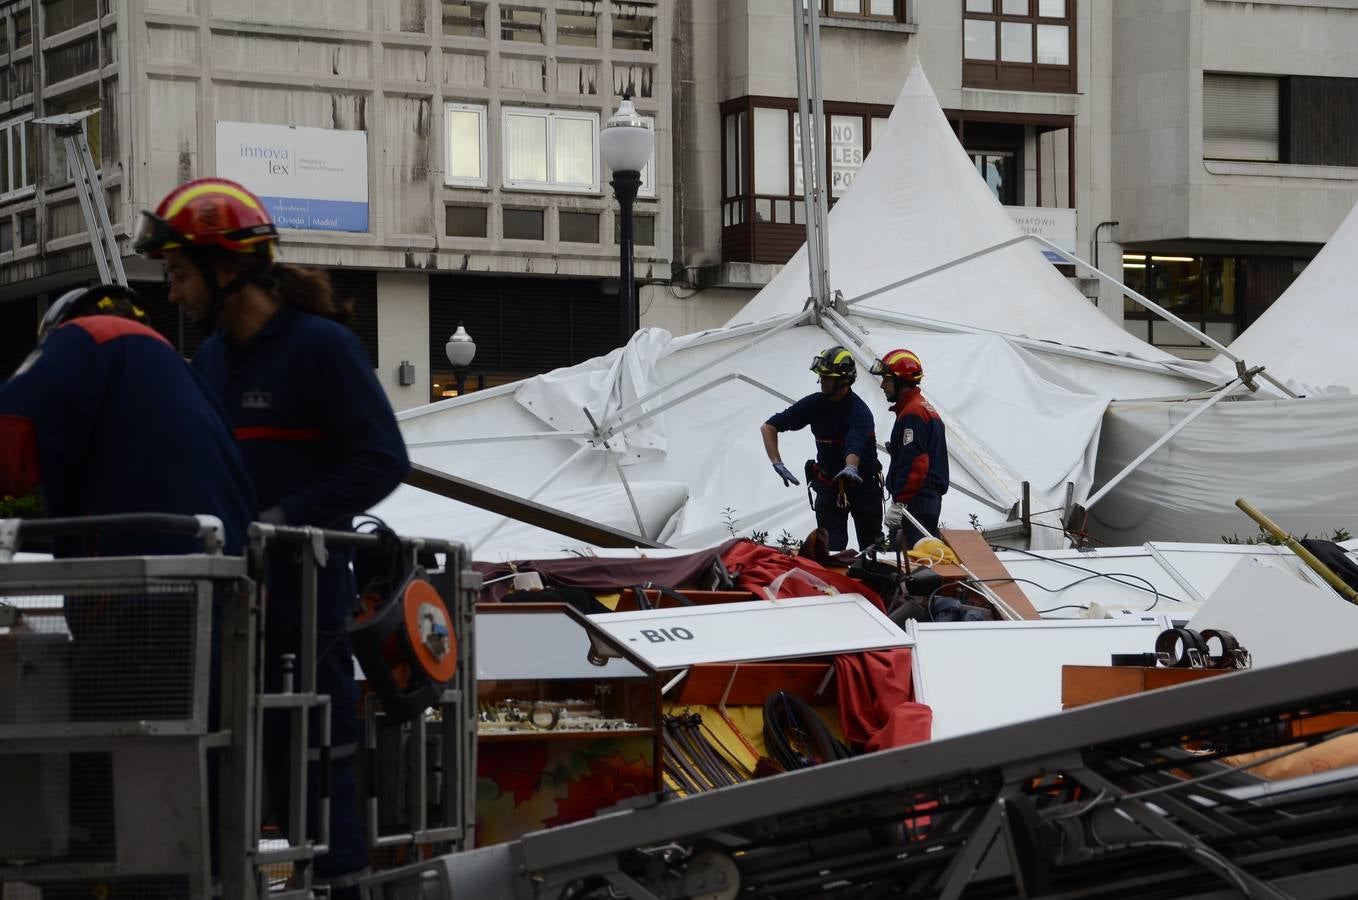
[1116, 576]
[970, 581]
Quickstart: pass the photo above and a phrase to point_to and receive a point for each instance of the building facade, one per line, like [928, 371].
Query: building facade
[1202, 149]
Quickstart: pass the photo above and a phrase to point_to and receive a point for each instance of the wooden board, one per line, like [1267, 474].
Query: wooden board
[1091, 684]
[754, 682]
[973, 551]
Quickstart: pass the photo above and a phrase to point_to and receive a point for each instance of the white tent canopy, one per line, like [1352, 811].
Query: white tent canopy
[1306, 337]
[677, 454]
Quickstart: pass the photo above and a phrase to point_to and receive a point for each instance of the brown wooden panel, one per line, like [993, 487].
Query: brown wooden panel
[973, 551]
[1081, 685]
[776, 244]
[754, 682]
[737, 243]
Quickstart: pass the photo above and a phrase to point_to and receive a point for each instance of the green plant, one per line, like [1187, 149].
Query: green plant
[28, 506]
[728, 518]
[787, 543]
[1263, 537]
[759, 537]
[975, 521]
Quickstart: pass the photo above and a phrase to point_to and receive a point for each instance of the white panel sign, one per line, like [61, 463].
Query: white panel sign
[759, 629]
[313, 178]
[977, 676]
[1056, 225]
[541, 645]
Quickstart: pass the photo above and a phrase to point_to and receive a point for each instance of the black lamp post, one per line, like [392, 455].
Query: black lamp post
[625, 143]
[460, 350]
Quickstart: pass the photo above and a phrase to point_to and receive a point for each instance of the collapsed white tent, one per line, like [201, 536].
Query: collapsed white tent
[1020, 365]
[1306, 337]
[1293, 459]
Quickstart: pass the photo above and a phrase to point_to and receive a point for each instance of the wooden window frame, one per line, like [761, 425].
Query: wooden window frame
[1020, 76]
[754, 241]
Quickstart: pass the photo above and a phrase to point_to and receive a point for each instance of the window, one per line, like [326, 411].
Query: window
[999, 172]
[579, 29]
[523, 224]
[579, 227]
[643, 230]
[1208, 292]
[1019, 44]
[23, 29]
[466, 128]
[884, 10]
[62, 15]
[464, 19]
[1240, 117]
[464, 221]
[551, 150]
[521, 25]
[762, 171]
[18, 149]
[633, 32]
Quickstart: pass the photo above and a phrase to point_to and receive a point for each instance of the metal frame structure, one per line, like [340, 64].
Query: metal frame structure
[108, 258]
[167, 844]
[1130, 798]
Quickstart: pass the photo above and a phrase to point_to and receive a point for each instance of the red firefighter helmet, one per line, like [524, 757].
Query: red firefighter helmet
[901, 364]
[207, 212]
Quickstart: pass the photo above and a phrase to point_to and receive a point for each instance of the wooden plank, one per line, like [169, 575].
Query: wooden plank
[1081, 685]
[754, 682]
[975, 553]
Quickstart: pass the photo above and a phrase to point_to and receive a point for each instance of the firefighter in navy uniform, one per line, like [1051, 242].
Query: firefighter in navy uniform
[319, 439]
[845, 474]
[917, 477]
[105, 416]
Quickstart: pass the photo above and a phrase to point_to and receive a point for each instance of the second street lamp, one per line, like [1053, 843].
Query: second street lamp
[626, 143]
[460, 350]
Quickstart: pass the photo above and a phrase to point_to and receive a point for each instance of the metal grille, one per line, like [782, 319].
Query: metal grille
[113, 654]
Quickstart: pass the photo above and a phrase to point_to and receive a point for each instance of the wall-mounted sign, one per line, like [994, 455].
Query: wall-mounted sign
[1056, 225]
[314, 178]
[759, 629]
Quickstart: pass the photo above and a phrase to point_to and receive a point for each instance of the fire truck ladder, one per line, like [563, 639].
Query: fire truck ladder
[70, 127]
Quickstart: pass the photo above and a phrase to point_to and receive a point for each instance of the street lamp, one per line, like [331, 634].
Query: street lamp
[460, 350]
[625, 144]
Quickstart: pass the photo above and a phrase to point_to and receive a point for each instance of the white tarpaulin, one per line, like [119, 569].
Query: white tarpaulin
[1306, 338]
[1293, 459]
[679, 418]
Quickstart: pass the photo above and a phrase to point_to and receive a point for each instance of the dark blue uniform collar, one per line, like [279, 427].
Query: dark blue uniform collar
[278, 323]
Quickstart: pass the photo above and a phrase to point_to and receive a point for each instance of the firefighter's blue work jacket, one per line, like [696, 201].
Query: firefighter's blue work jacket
[108, 418]
[839, 429]
[319, 437]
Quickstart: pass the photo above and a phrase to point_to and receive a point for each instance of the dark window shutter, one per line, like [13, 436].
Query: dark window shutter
[360, 288]
[1320, 128]
[522, 326]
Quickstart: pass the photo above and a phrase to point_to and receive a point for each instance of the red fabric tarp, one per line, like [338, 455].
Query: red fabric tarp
[877, 707]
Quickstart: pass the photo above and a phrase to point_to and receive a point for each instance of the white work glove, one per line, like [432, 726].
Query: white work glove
[894, 516]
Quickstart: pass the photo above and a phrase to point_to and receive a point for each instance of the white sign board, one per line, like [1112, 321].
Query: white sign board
[314, 178]
[1056, 225]
[759, 629]
[981, 675]
[538, 645]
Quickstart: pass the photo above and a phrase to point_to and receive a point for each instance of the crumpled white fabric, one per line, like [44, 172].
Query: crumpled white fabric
[606, 386]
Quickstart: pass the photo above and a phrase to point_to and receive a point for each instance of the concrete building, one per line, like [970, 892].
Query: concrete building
[1208, 147]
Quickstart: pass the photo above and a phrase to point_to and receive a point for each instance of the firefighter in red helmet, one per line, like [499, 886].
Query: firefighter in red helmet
[917, 477]
[319, 439]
